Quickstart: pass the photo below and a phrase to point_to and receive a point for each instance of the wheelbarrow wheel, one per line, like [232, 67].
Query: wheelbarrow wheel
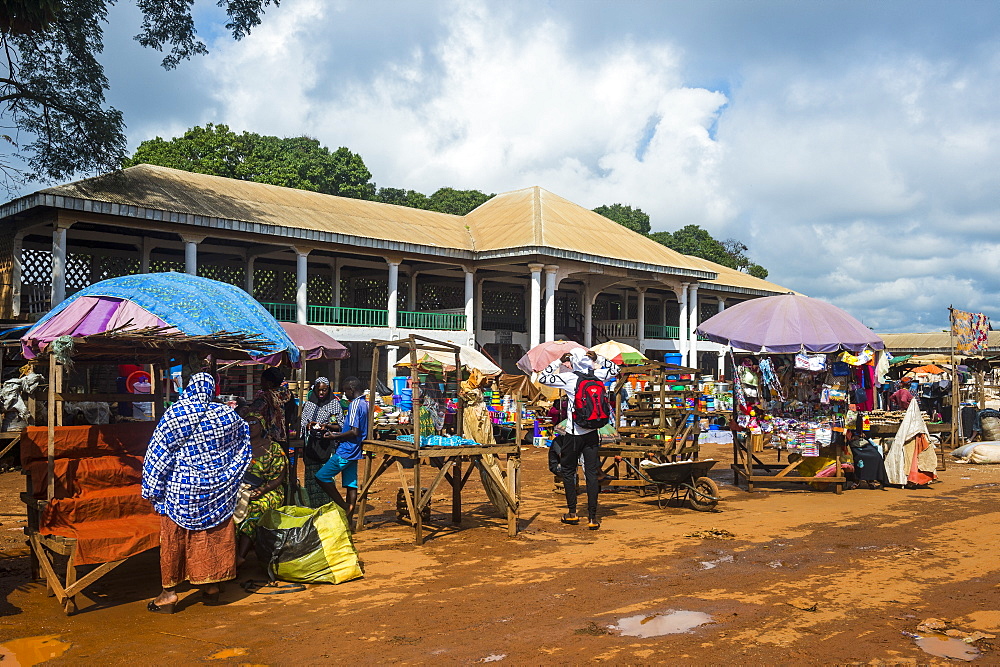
[706, 497]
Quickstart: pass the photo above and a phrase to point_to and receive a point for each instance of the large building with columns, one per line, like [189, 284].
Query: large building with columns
[527, 266]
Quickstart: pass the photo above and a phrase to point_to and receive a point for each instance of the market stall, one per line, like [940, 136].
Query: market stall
[415, 457]
[807, 381]
[83, 479]
[83, 482]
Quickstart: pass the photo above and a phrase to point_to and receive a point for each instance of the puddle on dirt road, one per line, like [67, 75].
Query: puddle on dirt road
[227, 653]
[709, 564]
[947, 647]
[668, 623]
[29, 651]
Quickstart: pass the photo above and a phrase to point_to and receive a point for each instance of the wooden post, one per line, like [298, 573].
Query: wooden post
[418, 522]
[456, 491]
[512, 464]
[956, 401]
[54, 388]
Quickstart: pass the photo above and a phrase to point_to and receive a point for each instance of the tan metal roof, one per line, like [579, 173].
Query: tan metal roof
[938, 341]
[530, 220]
[168, 189]
[536, 217]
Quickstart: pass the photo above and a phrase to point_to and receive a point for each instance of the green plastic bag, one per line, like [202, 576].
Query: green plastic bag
[307, 546]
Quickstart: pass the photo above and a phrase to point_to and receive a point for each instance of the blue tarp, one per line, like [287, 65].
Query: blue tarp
[194, 305]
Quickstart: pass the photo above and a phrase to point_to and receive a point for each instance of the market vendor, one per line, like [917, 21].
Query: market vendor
[321, 413]
[900, 399]
[267, 472]
[344, 460]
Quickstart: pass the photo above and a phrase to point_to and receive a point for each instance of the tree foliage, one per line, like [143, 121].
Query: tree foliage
[444, 200]
[695, 241]
[294, 162]
[52, 87]
[626, 216]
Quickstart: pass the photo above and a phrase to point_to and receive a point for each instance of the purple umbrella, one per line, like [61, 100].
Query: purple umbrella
[789, 323]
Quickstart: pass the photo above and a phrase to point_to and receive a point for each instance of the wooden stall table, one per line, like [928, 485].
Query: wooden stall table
[447, 460]
[746, 462]
[449, 463]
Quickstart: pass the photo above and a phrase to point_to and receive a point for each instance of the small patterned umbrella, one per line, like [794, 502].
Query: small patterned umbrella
[620, 353]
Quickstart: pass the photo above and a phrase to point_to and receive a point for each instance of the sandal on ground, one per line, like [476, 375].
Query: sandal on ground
[161, 608]
[593, 524]
[571, 520]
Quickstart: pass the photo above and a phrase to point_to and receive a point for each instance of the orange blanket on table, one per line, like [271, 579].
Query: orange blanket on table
[98, 476]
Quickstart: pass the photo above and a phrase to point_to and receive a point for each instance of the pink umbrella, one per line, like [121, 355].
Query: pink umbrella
[789, 323]
[314, 343]
[544, 354]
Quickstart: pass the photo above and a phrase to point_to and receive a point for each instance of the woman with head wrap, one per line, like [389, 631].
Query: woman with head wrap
[192, 473]
[322, 412]
[272, 401]
[267, 473]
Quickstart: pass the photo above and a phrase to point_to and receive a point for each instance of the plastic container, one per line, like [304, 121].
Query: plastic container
[404, 400]
[399, 383]
[674, 359]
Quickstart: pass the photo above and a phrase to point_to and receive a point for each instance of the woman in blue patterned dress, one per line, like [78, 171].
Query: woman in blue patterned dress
[192, 473]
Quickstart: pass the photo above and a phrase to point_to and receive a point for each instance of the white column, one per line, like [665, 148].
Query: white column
[682, 324]
[301, 286]
[641, 316]
[15, 275]
[58, 294]
[693, 317]
[336, 286]
[550, 302]
[588, 316]
[535, 306]
[722, 353]
[392, 306]
[470, 305]
[191, 253]
[722, 304]
[248, 275]
[145, 253]
[479, 306]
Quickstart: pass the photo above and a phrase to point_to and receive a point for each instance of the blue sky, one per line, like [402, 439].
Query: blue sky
[852, 145]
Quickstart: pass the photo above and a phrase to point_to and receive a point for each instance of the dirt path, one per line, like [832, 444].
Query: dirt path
[808, 576]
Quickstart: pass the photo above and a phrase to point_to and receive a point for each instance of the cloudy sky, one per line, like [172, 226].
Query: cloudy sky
[854, 146]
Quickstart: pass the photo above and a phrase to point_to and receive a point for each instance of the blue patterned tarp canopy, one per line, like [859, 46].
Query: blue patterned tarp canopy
[193, 305]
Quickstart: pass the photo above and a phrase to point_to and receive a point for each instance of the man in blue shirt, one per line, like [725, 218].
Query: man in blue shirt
[345, 459]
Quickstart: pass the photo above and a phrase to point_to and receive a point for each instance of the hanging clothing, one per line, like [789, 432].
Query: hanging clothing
[476, 421]
[196, 459]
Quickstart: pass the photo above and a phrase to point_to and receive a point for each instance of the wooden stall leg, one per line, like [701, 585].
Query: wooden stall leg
[456, 492]
[359, 517]
[406, 493]
[512, 512]
[418, 518]
[69, 604]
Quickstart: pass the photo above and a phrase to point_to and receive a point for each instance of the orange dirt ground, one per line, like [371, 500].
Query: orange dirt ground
[808, 577]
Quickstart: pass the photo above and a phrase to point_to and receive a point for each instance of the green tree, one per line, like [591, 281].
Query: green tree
[52, 87]
[757, 271]
[626, 216]
[456, 202]
[695, 241]
[294, 162]
[402, 197]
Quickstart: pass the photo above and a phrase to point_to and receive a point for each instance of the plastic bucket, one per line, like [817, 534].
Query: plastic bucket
[399, 384]
[674, 359]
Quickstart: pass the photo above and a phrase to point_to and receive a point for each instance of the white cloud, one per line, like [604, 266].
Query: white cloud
[865, 175]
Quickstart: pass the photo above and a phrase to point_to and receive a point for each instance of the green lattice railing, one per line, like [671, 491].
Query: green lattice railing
[663, 332]
[368, 317]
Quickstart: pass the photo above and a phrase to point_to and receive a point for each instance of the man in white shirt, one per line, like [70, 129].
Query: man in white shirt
[578, 439]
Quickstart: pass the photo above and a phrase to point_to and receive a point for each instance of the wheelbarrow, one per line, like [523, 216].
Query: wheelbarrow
[682, 481]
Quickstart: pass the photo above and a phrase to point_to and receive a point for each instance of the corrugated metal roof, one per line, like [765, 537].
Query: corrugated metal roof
[167, 189]
[527, 221]
[938, 341]
[535, 216]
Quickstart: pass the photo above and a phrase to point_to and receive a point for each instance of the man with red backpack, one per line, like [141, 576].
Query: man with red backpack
[588, 409]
